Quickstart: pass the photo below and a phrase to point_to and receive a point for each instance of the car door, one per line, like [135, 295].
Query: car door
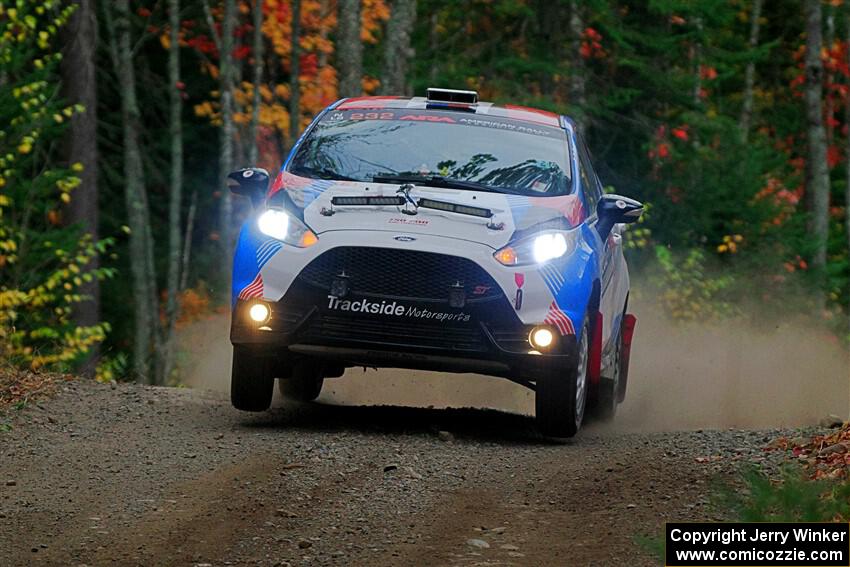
[614, 275]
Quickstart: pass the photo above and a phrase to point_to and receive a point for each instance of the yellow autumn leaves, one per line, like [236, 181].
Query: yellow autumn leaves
[36, 329]
[730, 244]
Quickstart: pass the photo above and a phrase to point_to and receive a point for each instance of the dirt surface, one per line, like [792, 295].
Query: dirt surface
[126, 475]
[746, 373]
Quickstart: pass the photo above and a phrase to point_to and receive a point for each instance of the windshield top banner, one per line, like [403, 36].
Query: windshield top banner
[437, 117]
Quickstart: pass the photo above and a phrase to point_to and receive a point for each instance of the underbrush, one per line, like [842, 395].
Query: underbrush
[19, 388]
[792, 494]
[790, 497]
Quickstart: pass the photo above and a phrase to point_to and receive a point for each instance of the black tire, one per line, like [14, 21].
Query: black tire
[251, 382]
[305, 383]
[561, 396]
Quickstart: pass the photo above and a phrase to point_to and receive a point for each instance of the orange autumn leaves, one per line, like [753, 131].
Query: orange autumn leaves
[317, 77]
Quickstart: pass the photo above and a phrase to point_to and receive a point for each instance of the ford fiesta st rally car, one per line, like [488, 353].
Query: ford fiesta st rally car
[436, 233]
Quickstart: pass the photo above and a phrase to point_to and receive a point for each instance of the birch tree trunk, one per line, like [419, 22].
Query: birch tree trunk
[227, 133]
[750, 72]
[253, 151]
[397, 51]
[350, 49]
[176, 192]
[79, 82]
[294, 72]
[143, 281]
[817, 172]
[187, 241]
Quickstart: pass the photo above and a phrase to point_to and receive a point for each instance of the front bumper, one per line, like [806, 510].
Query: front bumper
[491, 340]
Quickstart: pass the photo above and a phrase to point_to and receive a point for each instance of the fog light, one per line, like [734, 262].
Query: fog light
[541, 338]
[259, 312]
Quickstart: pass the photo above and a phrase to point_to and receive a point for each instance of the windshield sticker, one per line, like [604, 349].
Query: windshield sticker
[511, 126]
[428, 118]
[371, 116]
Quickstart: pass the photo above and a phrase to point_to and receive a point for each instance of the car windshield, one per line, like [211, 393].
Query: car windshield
[494, 153]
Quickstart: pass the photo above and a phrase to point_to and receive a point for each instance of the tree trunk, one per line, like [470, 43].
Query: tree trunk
[697, 57]
[847, 121]
[322, 57]
[187, 241]
[434, 47]
[176, 194]
[143, 281]
[350, 49]
[829, 37]
[294, 72]
[750, 73]
[227, 134]
[397, 50]
[817, 173]
[576, 81]
[253, 151]
[79, 82]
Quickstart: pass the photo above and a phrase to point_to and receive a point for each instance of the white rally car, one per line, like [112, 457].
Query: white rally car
[437, 233]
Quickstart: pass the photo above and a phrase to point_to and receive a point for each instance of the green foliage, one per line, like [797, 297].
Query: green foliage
[688, 291]
[639, 235]
[661, 102]
[42, 263]
[790, 498]
[113, 367]
[653, 545]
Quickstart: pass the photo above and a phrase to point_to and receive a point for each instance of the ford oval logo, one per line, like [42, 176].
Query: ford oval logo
[404, 238]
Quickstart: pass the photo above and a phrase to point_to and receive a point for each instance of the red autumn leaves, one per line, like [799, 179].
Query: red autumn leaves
[591, 45]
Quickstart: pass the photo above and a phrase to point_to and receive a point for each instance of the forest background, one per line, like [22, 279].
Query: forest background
[120, 119]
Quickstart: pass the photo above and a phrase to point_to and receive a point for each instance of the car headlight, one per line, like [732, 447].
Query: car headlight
[279, 224]
[538, 249]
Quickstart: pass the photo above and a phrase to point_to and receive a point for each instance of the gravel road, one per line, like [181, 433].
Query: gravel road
[128, 475]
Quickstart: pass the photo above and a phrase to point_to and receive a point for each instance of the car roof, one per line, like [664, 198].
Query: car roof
[509, 111]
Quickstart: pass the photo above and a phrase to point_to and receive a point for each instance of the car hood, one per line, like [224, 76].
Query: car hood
[486, 218]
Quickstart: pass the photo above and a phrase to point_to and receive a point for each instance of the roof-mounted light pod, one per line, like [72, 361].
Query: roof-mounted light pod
[452, 95]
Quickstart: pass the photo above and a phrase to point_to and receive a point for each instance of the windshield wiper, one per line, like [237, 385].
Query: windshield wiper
[321, 173]
[441, 181]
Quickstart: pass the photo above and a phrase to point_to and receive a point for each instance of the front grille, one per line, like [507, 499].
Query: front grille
[377, 333]
[400, 273]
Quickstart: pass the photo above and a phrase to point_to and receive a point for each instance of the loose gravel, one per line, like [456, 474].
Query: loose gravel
[131, 475]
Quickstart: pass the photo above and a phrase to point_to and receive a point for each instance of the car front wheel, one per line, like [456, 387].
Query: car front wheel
[305, 382]
[561, 395]
[251, 381]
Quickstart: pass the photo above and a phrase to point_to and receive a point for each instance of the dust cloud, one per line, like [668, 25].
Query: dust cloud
[681, 377]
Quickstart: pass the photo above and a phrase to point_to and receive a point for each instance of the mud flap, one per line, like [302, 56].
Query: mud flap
[594, 355]
[629, 323]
